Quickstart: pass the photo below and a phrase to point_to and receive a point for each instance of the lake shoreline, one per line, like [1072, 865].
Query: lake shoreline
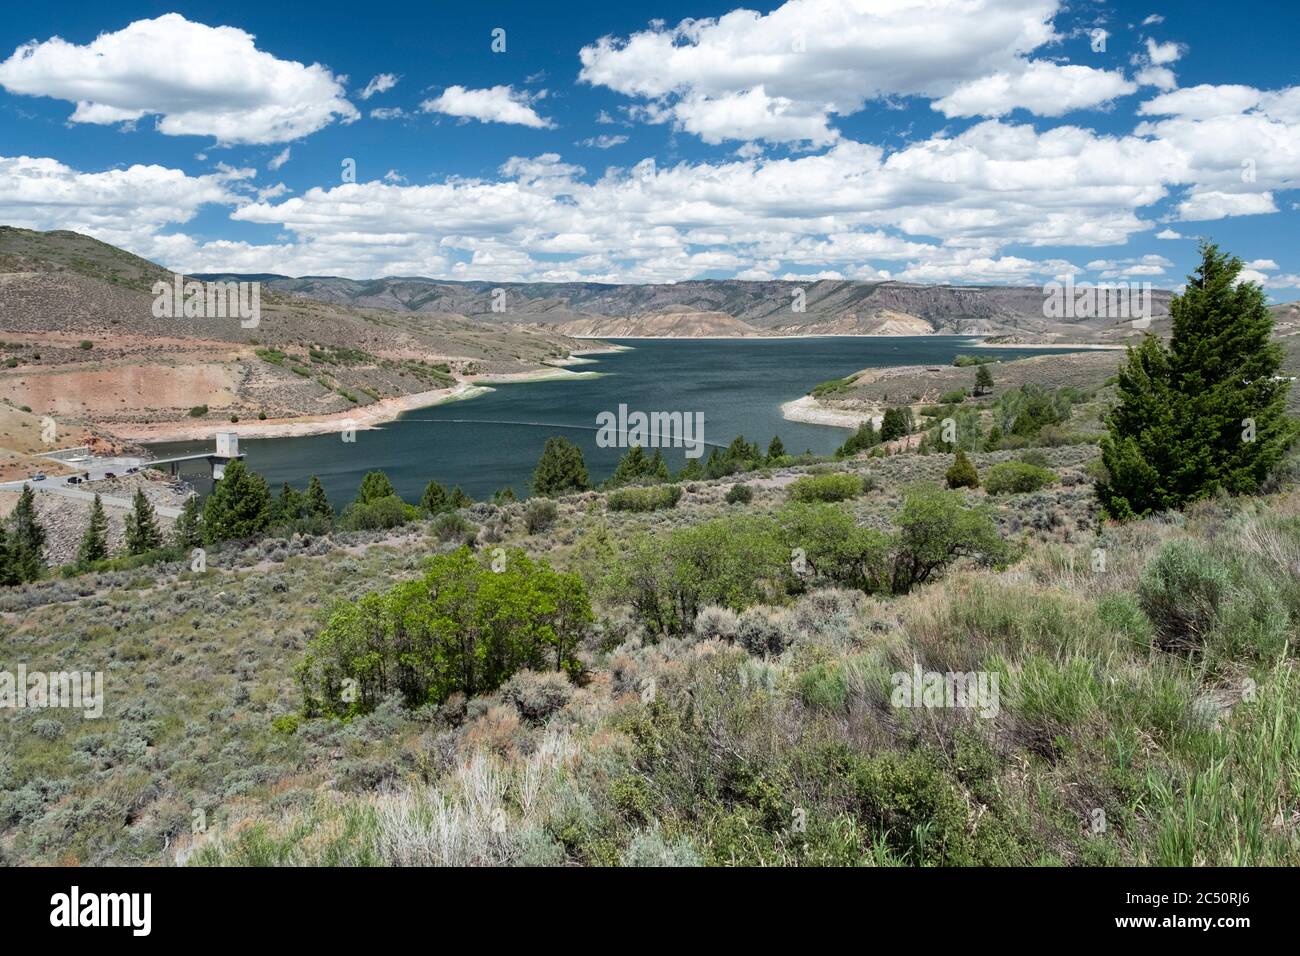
[974, 340]
[363, 418]
[808, 411]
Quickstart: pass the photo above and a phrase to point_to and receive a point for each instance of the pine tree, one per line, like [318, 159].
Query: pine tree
[962, 474]
[896, 423]
[659, 467]
[8, 570]
[458, 499]
[1205, 414]
[434, 500]
[94, 543]
[374, 486]
[865, 437]
[288, 506]
[983, 380]
[693, 470]
[27, 548]
[637, 466]
[560, 469]
[775, 449]
[317, 502]
[142, 532]
[239, 506]
[187, 532]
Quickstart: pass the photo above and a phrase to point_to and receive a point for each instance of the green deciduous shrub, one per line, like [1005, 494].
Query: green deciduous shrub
[834, 487]
[1016, 477]
[728, 562]
[378, 514]
[651, 498]
[462, 627]
[740, 495]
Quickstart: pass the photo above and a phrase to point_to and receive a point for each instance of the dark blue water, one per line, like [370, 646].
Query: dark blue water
[486, 443]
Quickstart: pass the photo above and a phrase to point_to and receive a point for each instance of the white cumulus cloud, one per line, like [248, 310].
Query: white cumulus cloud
[196, 79]
[379, 84]
[497, 104]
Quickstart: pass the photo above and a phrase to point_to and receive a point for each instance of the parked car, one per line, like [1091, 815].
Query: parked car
[38, 477]
[132, 470]
[110, 474]
[74, 479]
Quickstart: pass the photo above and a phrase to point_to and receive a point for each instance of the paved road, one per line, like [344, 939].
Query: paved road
[55, 486]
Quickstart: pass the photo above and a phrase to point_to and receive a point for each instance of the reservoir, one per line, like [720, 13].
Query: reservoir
[493, 440]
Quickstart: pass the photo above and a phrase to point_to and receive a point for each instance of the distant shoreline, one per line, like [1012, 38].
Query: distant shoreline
[974, 340]
[363, 418]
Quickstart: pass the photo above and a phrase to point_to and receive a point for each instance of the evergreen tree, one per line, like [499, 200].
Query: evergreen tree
[434, 500]
[962, 474]
[317, 504]
[897, 422]
[743, 453]
[187, 532]
[289, 506]
[865, 437]
[637, 466]
[8, 570]
[633, 466]
[458, 499]
[503, 496]
[142, 532]
[1205, 414]
[560, 469]
[983, 380]
[94, 543]
[374, 486]
[659, 467]
[239, 506]
[27, 548]
[693, 470]
[775, 449]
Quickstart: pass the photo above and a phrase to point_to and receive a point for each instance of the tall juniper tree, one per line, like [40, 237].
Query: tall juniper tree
[94, 543]
[188, 529]
[27, 544]
[1205, 414]
[560, 469]
[142, 534]
[317, 503]
[8, 569]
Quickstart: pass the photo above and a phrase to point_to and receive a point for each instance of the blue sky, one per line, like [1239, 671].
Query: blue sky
[974, 141]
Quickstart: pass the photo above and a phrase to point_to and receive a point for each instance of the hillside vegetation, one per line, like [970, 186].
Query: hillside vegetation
[974, 637]
[79, 341]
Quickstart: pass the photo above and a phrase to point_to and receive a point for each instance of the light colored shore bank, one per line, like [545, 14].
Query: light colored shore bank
[809, 411]
[538, 375]
[365, 417]
[1081, 346]
[361, 419]
[973, 340]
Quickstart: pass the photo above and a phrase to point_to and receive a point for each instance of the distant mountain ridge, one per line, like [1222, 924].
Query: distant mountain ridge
[757, 307]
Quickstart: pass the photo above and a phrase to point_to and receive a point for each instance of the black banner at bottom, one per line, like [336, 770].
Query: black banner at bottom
[335, 906]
